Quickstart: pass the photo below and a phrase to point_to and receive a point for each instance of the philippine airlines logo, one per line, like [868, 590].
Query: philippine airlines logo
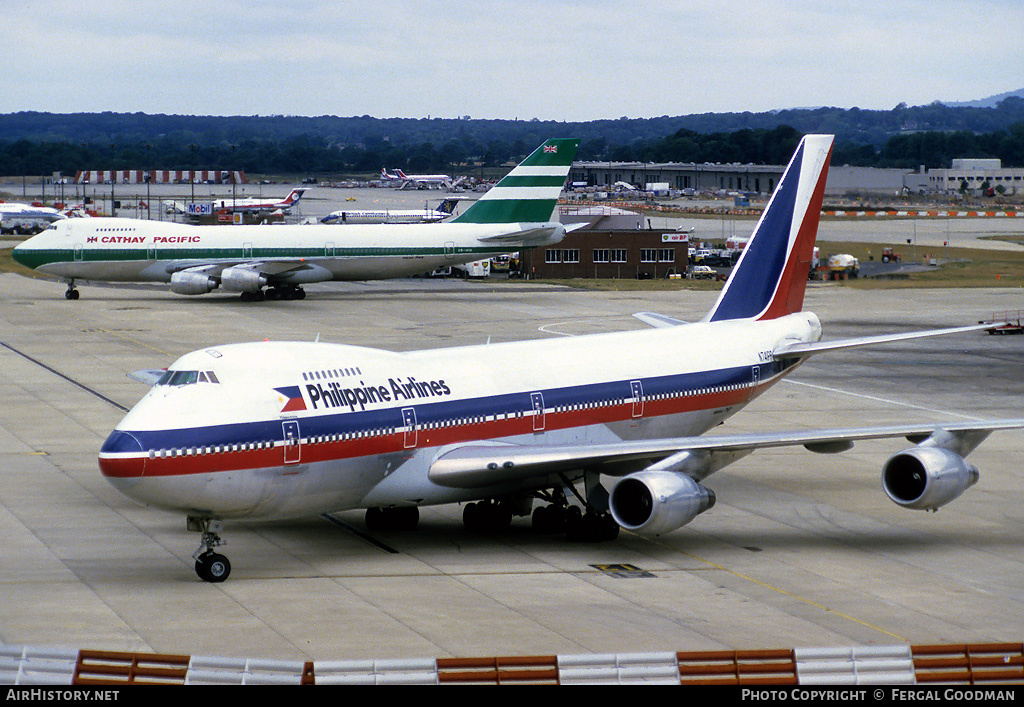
[293, 394]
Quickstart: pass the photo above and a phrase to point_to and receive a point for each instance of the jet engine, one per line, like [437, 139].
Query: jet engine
[241, 280]
[191, 283]
[925, 478]
[658, 502]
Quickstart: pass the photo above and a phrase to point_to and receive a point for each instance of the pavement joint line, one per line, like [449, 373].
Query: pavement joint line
[70, 380]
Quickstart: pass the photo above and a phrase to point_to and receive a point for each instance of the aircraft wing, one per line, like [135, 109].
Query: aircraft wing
[479, 465]
[148, 376]
[270, 266]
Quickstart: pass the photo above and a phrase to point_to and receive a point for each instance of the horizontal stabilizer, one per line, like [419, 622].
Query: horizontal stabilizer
[807, 349]
[658, 321]
[546, 234]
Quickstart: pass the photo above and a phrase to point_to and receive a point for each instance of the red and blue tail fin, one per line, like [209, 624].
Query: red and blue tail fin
[771, 276]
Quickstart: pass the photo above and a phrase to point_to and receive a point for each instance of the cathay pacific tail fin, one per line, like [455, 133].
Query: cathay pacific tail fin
[529, 193]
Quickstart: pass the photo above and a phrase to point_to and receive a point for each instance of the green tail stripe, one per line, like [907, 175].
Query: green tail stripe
[509, 211]
[557, 152]
[512, 181]
[554, 158]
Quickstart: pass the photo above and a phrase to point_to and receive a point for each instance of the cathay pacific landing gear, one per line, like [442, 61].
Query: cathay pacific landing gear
[71, 292]
[210, 566]
[288, 292]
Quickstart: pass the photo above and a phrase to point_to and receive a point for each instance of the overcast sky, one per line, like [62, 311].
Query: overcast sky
[547, 59]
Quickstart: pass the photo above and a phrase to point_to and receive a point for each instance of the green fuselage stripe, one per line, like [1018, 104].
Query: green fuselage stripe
[36, 258]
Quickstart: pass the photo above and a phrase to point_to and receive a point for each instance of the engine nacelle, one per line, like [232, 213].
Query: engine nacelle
[241, 280]
[658, 502]
[925, 478]
[191, 283]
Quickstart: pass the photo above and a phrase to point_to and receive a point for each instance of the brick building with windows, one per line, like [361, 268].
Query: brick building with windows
[610, 254]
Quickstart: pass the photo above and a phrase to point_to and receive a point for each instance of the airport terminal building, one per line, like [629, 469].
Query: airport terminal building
[978, 177]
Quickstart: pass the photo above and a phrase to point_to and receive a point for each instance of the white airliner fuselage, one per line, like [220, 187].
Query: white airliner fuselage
[131, 250]
[366, 425]
[194, 260]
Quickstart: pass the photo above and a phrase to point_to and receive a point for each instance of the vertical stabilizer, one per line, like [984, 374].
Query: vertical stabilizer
[529, 193]
[771, 276]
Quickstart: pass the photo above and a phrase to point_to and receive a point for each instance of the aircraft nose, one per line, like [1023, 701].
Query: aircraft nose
[20, 254]
[122, 456]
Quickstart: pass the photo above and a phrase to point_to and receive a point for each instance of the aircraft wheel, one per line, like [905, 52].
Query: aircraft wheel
[487, 516]
[549, 519]
[71, 294]
[592, 527]
[300, 293]
[213, 567]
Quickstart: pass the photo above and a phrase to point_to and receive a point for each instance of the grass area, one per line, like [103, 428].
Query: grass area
[958, 267]
[7, 264]
[628, 285]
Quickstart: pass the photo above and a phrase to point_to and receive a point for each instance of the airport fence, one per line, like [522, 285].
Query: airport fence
[966, 664]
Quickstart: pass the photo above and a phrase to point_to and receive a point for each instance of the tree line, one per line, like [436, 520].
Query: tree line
[44, 143]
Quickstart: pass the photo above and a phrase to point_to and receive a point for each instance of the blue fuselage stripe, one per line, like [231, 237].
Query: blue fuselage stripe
[342, 420]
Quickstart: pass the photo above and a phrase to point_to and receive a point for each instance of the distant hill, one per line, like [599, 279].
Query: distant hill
[990, 102]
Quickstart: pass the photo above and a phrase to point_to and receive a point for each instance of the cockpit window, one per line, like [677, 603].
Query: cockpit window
[187, 377]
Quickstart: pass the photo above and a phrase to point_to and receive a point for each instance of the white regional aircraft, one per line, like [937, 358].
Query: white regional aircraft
[279, 429]
[443, 211]
[514, 215]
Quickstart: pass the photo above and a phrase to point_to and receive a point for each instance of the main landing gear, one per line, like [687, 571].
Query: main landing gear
[274, 293]
[210, 566]
[71, 292]
[591, 523]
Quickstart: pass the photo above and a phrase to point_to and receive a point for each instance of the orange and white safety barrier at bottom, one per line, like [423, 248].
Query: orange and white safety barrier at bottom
[879, 665]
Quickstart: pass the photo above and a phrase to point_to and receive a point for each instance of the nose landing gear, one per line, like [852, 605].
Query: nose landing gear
[210, 566]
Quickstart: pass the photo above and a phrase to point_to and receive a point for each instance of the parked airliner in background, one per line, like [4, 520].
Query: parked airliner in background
[517, 213]
[425, 215]
[258, 205]
[420, 179]
[27, 218]
[279, 429]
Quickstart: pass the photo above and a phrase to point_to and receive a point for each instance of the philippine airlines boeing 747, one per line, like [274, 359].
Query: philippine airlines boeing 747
[278, 429]
[194, 260]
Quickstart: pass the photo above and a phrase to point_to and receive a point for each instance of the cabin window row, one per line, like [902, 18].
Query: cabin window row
[331, 373]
